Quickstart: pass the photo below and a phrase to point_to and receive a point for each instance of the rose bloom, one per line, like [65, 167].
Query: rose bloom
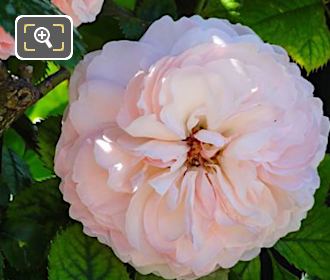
[80, 11]
[192, 148]
[7, 44]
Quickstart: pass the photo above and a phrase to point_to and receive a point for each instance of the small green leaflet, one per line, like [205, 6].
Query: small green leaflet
[73, 255]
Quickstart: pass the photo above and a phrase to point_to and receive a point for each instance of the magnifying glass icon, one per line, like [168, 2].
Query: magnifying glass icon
[41, 35]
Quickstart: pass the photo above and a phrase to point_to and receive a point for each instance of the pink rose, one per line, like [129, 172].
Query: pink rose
[7, 44]
[192, 148]
[80, 10]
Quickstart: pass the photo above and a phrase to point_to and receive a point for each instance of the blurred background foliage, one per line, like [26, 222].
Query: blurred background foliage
[38, 240]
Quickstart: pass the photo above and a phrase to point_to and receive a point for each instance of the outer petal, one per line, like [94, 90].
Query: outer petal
[7, 44]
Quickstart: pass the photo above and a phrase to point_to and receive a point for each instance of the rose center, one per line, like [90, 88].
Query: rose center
[197, 154]
[194, 157]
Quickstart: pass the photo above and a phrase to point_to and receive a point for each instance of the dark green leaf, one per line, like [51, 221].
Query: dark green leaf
[32, 220]
[42, 203]
[246, 270]
[14, 171]
[27, 130]
[148, 11]
[32, 274]
[15, 142]
[133, 27]
[49, 132]
[221, 8]
[279, 272]
[151, 10]
[127, 4]
[309, 248]
[2, 266]
[20, 245]
[4, 193]
[97, 35]
[74, 255]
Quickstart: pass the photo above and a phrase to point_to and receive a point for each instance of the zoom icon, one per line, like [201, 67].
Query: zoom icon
[44, 37]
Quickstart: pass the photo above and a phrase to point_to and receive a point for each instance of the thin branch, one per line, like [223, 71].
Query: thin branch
[52, 81]
[18, 93]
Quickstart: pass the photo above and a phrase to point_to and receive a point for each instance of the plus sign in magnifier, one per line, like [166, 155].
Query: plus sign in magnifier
[41, 35]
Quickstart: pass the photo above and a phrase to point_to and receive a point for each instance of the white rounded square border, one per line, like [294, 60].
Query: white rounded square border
[27, 16]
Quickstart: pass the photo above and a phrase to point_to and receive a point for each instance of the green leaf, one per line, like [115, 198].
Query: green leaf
[101, 31]
[279, 272]
[15, 172]
[151, 10]
[42, 203]
[27, 130]
[20, 245]
[74, 255]
[4, 193]
[297, 25]
[246, 270]
[15, 142]
[309, 248]
[127, 4]
[37, 167]
[31, 221]
[49, 132]
[132, 27]
[221, 9]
